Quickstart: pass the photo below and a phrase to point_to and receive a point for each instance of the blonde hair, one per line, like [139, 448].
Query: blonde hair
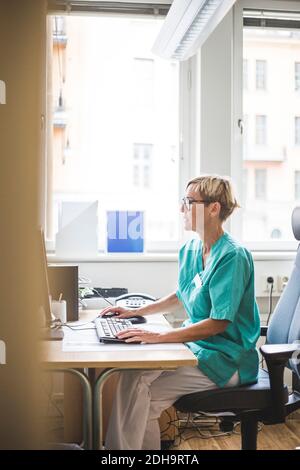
[215, 188]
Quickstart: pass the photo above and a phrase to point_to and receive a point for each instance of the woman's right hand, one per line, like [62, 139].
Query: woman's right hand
[120, 312]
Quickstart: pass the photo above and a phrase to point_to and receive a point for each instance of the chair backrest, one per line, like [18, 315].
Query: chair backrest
[285, 322]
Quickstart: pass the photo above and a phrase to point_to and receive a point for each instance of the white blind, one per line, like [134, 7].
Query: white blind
[131, 8]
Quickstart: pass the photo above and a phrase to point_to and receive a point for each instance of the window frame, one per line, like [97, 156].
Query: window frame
[188, 144]
[237, 114]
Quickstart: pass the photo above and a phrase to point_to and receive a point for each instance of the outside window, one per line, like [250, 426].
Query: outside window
[297, 130]
[297, 185]
[297, 76]
[261, 74]
[144, 82]
[260, 183]
[271, 157]
[142, 156]
[115, 137]
[261, 130]
[245, 74]
[276, 234]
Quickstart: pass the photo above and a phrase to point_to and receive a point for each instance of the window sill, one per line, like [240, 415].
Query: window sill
[117, 258]
[159, 257]
[273, 255]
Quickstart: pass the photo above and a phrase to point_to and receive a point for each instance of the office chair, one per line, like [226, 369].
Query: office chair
[268, 400]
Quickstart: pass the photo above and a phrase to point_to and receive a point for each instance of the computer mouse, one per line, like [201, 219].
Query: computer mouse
[110, 314]
[137, 319]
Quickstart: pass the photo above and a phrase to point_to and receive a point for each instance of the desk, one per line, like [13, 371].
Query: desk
[55, 359]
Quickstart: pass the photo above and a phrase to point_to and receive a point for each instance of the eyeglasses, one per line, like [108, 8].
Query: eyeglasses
[187, 202]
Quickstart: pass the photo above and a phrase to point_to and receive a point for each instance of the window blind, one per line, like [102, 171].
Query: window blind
[130, 8]
[271, 19]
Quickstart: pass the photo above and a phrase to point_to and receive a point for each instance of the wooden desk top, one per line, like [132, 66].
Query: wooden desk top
[53, 357]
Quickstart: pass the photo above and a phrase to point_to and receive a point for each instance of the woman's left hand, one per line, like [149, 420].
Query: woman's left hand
[133, 335]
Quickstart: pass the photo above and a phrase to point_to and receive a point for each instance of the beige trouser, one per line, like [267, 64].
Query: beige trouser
[140, 398]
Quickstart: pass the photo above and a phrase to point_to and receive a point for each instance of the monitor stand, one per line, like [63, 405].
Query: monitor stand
[51, 334]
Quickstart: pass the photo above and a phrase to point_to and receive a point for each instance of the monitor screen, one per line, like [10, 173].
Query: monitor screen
[45, 295]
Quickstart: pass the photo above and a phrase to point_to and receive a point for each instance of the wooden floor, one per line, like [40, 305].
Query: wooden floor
[276, 437]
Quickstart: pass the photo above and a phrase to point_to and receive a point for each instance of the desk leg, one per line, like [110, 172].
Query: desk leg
[97, 408]
[87, 404]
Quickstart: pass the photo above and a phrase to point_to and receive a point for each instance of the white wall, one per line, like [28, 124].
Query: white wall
[159, 278]
[216, 98]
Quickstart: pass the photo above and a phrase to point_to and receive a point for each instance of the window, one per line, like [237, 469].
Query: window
[271, 150]
[261, 130]
[297, 185]
[297, 130]
[297, 76]
[142, 156]
[245, 74]
[119, 138]
[261, 74]
[144, 82]
[276, 233]
[260, 183]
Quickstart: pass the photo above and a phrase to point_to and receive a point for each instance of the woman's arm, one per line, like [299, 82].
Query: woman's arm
[166, 304]
[197, 331]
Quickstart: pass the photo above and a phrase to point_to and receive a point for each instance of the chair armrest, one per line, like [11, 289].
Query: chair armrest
[278, 353]
[263, 330]
[276, 356]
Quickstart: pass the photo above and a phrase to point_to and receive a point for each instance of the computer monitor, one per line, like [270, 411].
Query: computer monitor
[78, 229]
[63, 280]
[48, 332]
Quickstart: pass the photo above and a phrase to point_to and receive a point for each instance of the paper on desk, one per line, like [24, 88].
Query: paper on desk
[87, 340]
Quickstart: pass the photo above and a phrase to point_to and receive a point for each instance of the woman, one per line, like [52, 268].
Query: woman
[216, 289]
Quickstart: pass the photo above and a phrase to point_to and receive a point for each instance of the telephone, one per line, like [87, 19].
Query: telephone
[134, 300]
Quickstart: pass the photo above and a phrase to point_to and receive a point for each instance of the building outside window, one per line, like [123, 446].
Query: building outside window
[245, 74]
[121, 120]
[144, 82]
[261, 130]
[297, 185]
[142, 155]
[297, 76]
[297, 130]
[260, 183]
[271, 149]
[261, 74]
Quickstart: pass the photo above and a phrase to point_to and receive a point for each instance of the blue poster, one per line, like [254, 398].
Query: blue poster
[125, 232]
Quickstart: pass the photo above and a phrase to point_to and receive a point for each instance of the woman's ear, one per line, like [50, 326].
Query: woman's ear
[215, 209]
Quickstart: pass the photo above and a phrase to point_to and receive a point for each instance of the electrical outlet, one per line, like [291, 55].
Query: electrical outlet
[282, 282]
[265, 286]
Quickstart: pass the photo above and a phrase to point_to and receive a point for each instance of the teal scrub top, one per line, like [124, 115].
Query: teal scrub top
[223, 290]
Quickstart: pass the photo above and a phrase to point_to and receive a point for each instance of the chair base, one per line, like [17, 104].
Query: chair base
[166, 444]
[249, 425]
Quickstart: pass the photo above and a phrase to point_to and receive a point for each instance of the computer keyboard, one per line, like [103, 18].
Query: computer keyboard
[107, 328]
